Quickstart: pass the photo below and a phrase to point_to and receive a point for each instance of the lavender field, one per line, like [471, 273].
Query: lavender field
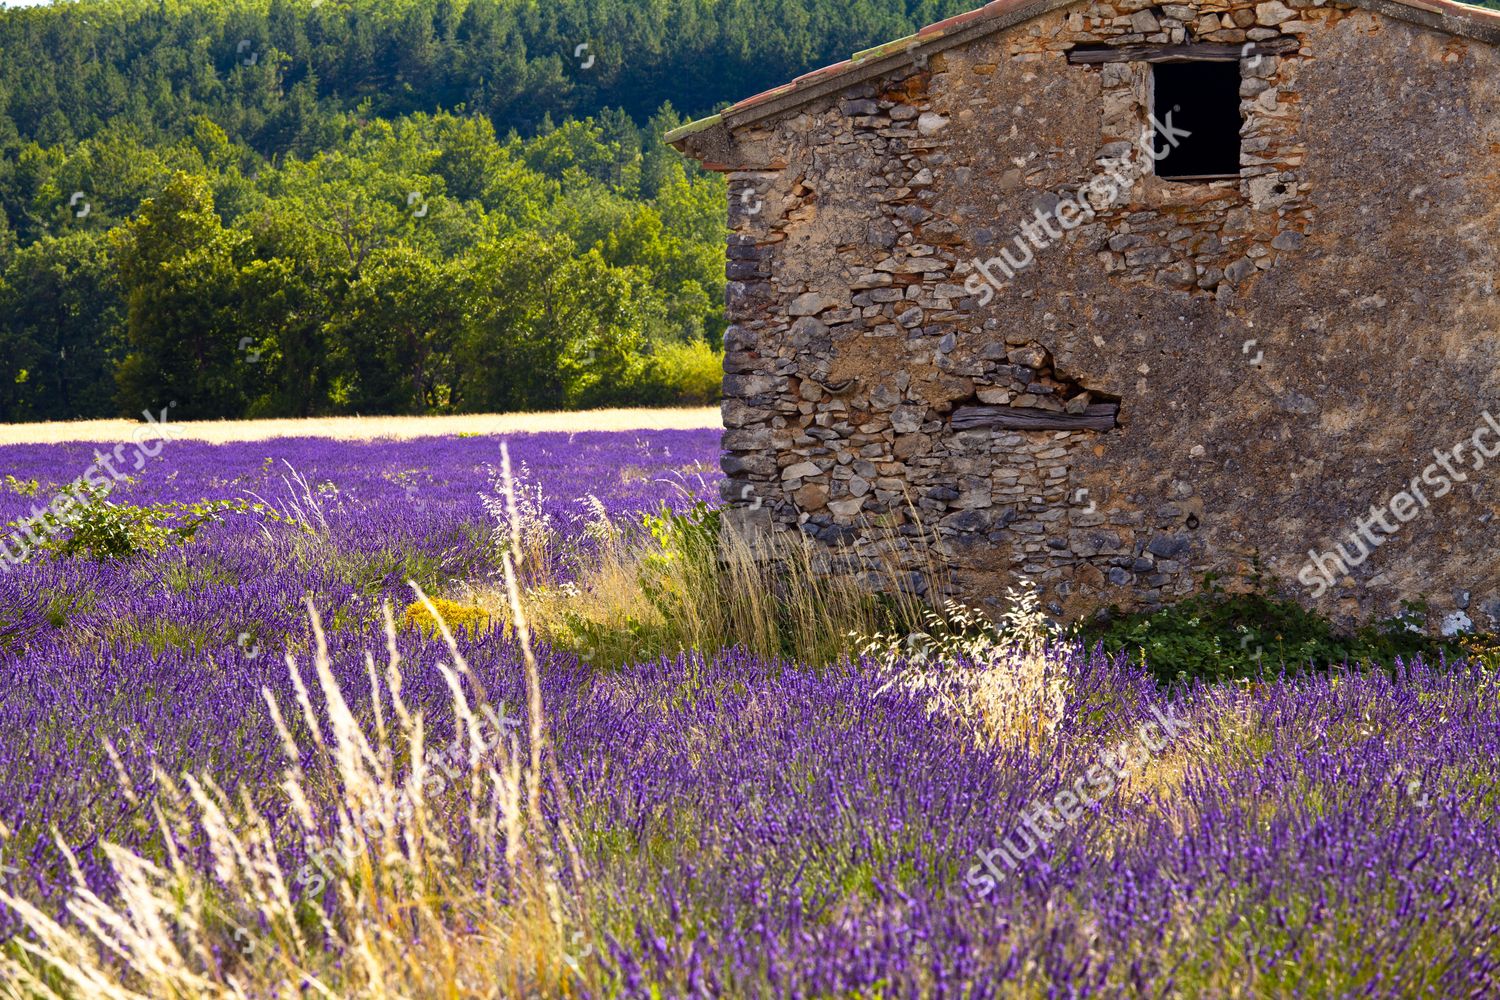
[706, 823]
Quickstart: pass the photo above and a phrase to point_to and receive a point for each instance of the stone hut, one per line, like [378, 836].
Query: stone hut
[1112, 295]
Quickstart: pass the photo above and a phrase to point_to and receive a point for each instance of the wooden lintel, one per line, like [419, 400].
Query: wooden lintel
[1098, 417]
[1199, 178]
[1194, 52]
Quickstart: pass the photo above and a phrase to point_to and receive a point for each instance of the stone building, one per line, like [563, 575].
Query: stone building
[1113, 294]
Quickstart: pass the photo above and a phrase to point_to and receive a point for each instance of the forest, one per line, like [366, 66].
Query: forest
[310, 207]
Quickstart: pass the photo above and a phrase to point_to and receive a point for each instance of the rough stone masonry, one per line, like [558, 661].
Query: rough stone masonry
[1215, 374]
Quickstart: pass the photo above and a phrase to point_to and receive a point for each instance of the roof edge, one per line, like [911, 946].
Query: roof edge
[676, 135]
[1450, 16]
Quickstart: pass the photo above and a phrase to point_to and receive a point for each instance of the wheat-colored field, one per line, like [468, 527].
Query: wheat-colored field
[369, 428]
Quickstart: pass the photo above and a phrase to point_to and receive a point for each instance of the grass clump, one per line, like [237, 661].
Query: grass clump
[688, 579]
[678, 580]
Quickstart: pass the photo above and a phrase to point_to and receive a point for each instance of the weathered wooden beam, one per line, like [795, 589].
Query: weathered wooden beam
[1098, 417]
[1194, 52]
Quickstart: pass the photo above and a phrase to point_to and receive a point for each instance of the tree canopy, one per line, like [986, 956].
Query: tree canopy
[294, 207]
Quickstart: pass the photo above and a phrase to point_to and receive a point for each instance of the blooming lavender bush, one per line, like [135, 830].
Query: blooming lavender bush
[717, 824]
[167, 656]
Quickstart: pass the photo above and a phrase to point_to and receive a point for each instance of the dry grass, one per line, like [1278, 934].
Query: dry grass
[620, 591]
[370, 428]
[689, 584]
[402, 914]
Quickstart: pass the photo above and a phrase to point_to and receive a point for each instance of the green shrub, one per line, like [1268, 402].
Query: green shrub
[97, 528]
[1217, 636]
[686, 550]
[688, 374]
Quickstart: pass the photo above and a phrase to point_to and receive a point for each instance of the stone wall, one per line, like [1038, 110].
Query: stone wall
[1285, 350]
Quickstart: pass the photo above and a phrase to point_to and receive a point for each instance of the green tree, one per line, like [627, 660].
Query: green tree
[180, 269]
[61, 330]
[394, 342]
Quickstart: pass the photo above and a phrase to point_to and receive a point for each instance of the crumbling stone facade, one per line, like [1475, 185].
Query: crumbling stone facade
[1201, 376]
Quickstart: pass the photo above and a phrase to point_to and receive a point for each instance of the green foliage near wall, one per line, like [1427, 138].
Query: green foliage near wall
[1218, 635]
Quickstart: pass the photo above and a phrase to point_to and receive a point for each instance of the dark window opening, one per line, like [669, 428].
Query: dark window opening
[1203, 99]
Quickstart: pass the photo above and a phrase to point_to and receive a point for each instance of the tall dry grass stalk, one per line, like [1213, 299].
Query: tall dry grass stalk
[409, 909]
[301, 505]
